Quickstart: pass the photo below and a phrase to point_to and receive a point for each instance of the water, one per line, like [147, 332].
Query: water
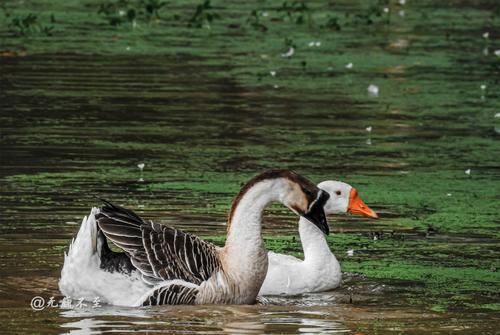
[80, 110]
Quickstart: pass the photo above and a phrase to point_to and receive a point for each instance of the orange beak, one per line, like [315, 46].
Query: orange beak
[357, 206]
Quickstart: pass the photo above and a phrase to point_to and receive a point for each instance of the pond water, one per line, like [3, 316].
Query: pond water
[205, 108]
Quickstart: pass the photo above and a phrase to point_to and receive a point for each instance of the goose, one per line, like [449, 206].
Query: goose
[320, 269]
[163, 265]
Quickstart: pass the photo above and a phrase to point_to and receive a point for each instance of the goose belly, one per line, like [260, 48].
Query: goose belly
[288, 275]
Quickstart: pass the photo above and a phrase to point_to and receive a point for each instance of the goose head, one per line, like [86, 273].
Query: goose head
[344, 199]
[306, 200]
[294, 191]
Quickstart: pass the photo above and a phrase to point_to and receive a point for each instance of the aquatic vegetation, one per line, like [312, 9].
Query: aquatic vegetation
[203, 15]
[30, 24]
[289, 44]
[295, 11]
[153, 7]
[332, 22]
[377, 12]
[117, 12]
[141, 169]
[254, 20]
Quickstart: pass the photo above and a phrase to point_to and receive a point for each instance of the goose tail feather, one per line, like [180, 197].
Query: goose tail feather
[121, 226]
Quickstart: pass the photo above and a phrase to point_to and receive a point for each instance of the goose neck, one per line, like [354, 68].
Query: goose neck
[313, 241]
[246, 217]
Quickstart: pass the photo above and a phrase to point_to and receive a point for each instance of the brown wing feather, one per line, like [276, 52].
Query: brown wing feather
[172, 294]
[159, 252]
[174, 254]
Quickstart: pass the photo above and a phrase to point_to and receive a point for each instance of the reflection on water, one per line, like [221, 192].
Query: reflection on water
[203, 320]
[373, 308]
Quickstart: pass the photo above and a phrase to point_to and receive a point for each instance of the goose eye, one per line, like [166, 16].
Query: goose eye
[337, 192]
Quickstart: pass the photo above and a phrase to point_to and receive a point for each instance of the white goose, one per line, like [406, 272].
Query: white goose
[320, 269]
[162, 265]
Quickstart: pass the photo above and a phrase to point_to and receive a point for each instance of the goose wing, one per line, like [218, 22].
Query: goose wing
[171, 294]
[159, 252]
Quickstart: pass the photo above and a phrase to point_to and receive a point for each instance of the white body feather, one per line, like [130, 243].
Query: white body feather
[82, 277]
[320, 269]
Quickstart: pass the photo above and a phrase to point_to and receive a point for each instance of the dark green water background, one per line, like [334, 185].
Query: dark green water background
[205, 108]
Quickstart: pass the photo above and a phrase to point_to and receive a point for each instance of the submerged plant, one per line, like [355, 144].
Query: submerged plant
[118, 12]
[26, 24]
[29, 24]
[204, 14]
[289, 43]
[127, 11]
[377, 12]
[47, 30]
[296, 11]
[332, 23]
[5, 10]
[254, 21]
[152, 7]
